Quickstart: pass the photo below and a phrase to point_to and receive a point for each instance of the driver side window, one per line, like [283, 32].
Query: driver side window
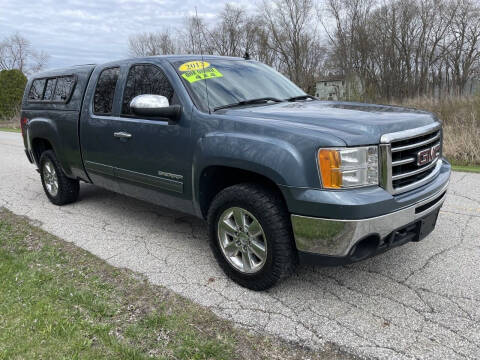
[145, 79]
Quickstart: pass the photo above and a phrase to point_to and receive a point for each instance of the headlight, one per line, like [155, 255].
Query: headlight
[348, 167]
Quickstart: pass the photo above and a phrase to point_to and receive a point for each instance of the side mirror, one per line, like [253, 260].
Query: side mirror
[155, 106]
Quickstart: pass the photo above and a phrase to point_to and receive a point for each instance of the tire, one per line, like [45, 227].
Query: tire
[66, 190]
[275, 235]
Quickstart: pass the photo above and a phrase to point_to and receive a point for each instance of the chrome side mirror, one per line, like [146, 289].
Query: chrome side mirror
[148, 102]
[155, 106]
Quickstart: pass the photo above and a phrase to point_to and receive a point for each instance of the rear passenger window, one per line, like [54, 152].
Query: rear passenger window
[64, 88]
[145, 79]
[105, 91]
[49, 89]
[36, 91]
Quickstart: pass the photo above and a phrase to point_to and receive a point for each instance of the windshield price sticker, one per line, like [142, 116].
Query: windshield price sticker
[196, 75]
[194, 65]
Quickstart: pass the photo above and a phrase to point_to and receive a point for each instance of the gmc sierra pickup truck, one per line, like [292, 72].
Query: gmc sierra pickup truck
[281, 177]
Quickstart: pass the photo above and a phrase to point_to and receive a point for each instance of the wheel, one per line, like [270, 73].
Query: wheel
[251, 236]
[59, 188]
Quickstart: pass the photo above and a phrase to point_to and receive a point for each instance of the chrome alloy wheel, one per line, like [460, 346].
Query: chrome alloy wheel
[50, 178]
[242, 240]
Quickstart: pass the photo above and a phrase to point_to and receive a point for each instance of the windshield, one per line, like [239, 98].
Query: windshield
[233, 81]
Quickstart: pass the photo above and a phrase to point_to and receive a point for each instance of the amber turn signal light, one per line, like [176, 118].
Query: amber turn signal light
[329, 163]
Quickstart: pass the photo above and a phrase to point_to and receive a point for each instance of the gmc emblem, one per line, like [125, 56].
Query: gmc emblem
[426, 156]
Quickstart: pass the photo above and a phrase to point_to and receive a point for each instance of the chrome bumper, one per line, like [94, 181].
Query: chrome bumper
[334, 237]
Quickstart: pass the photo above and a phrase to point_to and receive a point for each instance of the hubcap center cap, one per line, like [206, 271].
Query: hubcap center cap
[244, 240]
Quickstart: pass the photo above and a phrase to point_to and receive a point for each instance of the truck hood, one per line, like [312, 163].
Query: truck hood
[354, 123]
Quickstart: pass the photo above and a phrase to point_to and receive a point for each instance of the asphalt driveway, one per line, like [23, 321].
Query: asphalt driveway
[421, 300]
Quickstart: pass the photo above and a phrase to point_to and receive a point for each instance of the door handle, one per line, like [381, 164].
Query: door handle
[122, 135]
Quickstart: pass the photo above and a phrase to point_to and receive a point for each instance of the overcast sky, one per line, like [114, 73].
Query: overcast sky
[94, 31]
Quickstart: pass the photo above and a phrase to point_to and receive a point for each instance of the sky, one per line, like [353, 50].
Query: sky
[84, 31]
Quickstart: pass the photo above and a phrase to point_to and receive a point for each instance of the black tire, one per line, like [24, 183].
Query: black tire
[268, 208]
[68, 189]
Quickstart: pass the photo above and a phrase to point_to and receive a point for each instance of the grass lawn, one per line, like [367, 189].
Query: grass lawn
[59, 301]
[10, 129]
[466, 168]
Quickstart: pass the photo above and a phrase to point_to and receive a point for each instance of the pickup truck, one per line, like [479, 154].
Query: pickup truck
[281, 177]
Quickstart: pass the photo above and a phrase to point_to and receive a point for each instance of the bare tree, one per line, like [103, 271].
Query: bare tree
[149, 44]
[404, 48]
[292, 35]
[283, 35]
[194, 36]
[261, 49]
[234, 34]
[16, 52]
[397, 48]
[463, 44]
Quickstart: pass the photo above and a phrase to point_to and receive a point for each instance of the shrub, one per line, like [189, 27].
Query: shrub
[12, 84]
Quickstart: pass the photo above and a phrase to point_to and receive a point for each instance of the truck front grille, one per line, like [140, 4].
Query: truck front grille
[402, 153]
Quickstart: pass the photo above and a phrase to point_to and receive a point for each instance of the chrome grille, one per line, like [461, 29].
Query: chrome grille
[401, 169]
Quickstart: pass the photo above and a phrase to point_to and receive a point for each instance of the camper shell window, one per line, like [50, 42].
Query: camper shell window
[55, 90]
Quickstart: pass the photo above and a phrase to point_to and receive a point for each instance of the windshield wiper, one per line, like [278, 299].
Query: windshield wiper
[301, 97]
[248, 102]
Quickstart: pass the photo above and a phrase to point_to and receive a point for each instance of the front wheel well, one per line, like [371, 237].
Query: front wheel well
[39, 146]
[216, 178]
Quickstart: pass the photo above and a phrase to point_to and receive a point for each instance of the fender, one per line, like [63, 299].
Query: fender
[273, 158]
[43, 128]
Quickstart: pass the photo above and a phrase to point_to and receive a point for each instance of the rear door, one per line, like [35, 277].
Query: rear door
[99, 147]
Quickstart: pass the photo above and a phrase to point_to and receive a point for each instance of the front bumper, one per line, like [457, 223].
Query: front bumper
[339, 239]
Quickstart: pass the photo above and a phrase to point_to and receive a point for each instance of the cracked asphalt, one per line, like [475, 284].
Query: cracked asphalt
[419, 301]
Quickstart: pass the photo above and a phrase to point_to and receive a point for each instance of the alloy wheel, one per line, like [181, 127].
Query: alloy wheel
[50, 178]
[242, 240]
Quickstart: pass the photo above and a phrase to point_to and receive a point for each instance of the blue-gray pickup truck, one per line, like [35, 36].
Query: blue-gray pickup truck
[280, 177]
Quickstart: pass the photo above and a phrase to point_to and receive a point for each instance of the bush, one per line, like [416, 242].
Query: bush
[12, 84]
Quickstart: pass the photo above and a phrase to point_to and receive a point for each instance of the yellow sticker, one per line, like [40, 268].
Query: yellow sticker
[195, 75]
[194, 65]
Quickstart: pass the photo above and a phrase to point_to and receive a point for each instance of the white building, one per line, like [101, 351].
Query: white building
[338, 87]
[331, 88]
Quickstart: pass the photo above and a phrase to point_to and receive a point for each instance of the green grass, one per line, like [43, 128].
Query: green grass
[466, 168]
[10, 129]
[60, 302]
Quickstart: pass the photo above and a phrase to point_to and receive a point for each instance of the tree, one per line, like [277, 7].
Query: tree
[12, 85]
[462, 47]
[194, 36]
[405, 48]
[397, 48]
[283, 35]
[234, 34]
[149, 44]
[291, 34]
[16, 52]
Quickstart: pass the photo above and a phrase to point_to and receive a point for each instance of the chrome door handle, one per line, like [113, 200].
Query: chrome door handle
[122, 135]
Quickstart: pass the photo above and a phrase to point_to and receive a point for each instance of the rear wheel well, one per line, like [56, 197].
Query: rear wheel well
[216, 178]
[39, 146]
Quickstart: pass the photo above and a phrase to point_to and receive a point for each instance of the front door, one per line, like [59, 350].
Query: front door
[153, 160]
